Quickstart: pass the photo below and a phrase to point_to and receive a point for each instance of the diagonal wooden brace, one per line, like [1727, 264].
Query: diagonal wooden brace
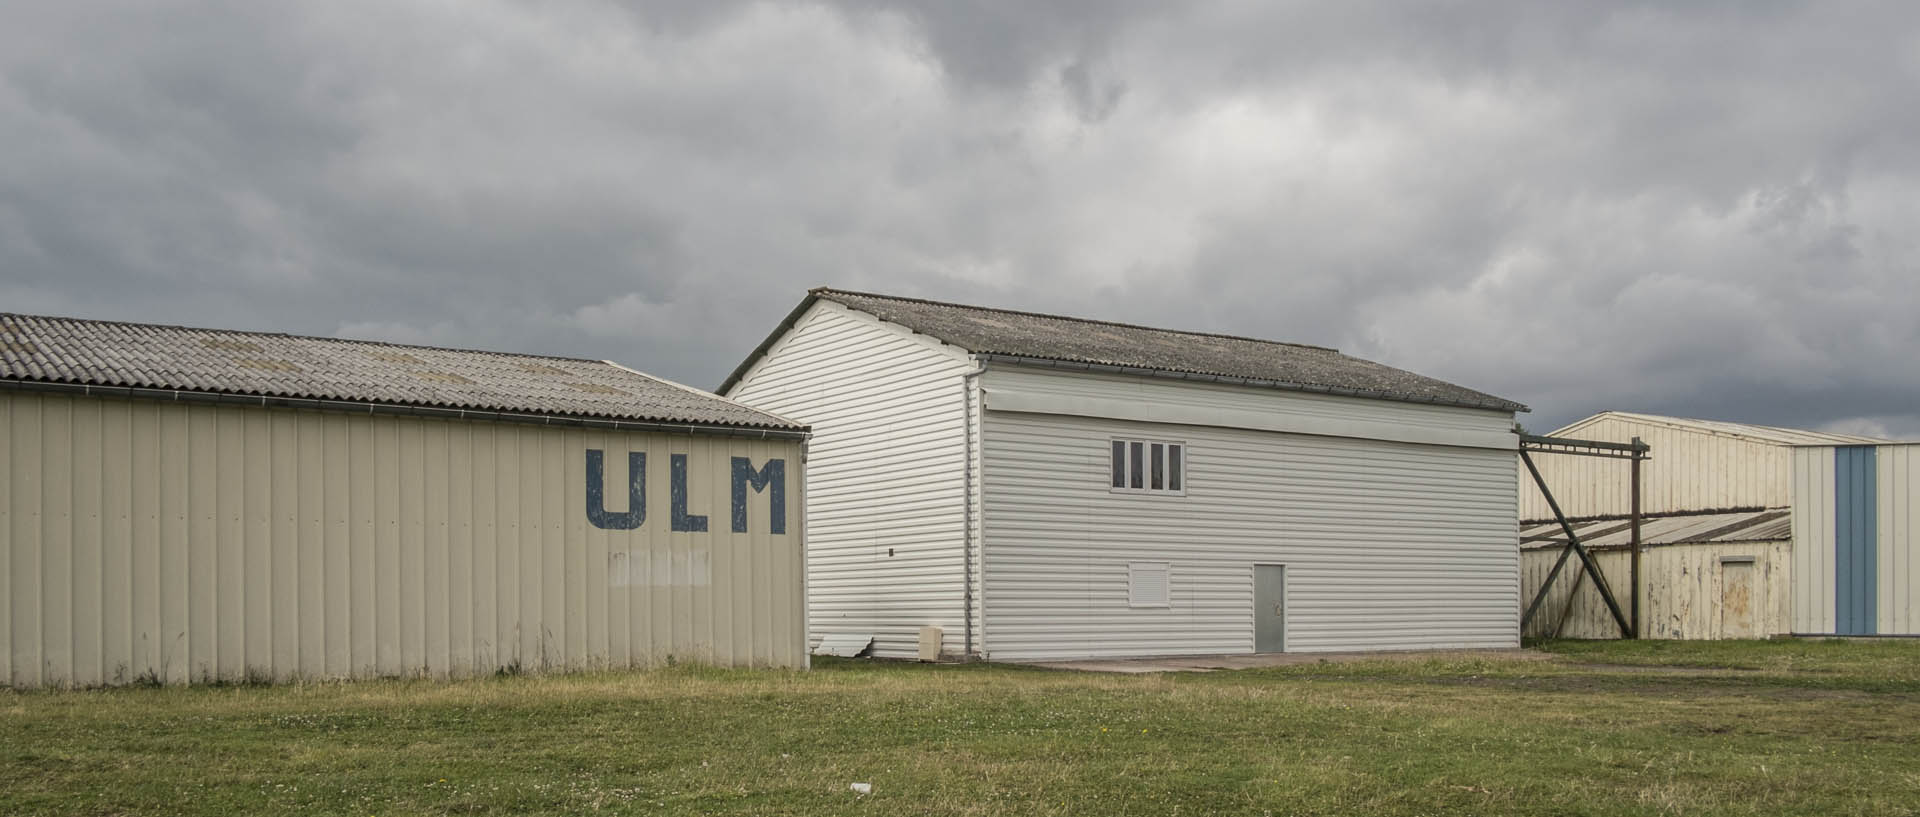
[1573, 545]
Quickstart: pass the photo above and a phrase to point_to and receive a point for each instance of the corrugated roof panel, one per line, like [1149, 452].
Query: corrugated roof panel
[1763, 525]
[108, 353]
[983, 330]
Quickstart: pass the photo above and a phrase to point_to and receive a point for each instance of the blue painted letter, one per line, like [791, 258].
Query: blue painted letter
[683, 521]
[775, 472]
[636, 512]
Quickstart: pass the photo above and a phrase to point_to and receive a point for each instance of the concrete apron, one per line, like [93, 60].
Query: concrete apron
[1209, 663]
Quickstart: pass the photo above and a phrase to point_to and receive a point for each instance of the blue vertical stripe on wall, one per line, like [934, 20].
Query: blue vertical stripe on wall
[1854, 539]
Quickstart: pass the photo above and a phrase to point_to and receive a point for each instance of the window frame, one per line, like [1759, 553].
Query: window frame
[1146, 448]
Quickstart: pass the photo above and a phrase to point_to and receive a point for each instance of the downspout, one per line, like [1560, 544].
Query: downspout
[806, 597]
[968, 384]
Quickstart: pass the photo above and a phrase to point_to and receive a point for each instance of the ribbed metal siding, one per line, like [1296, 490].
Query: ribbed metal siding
[189, 542]
[1855, 539]
[1813, 542]
[1899, 557]
[1689, 471]
[1387, 545]
[884, 527]
[1681, 598]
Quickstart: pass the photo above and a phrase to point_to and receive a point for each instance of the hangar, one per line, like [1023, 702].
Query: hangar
[190, 505]
[1019, 486]
[1749, 531]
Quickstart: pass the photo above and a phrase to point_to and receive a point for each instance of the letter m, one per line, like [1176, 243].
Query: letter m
[774, 474]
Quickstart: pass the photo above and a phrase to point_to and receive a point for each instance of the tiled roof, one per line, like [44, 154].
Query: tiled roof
[1268, 363]
[147, 356]
[1765, 434]
[1749, 525]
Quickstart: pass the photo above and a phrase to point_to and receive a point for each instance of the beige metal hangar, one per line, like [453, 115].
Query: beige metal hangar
[1719, 541]
[186, 505]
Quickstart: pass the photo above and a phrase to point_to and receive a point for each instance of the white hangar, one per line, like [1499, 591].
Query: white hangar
[185, 505]
[1044, 487]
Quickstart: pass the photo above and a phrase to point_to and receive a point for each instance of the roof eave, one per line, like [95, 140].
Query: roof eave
[373, 407]
[1506, 406]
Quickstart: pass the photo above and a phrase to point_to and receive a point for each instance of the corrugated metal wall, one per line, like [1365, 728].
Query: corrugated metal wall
[1686, 593]
[1689, 471]
[1813, 529]
[1856, 539]
[189, 542]
[1899, 557]
[1847, 498]
[885, 525]
[1387, 545]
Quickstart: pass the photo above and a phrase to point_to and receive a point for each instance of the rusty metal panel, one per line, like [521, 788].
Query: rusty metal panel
[187, 542]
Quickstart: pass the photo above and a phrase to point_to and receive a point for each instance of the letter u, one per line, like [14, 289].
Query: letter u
[636, 512]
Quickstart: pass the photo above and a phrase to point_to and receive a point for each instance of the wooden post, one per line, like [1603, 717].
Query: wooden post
[1633, 523]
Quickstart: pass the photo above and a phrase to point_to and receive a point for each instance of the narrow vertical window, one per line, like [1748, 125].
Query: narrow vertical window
[1175, 479]
[1135, 463]
[1119, 464]
[1159, 471]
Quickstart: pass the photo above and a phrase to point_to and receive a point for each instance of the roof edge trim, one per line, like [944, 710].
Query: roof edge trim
[1049, 363]
[786, 325]
[401, 409]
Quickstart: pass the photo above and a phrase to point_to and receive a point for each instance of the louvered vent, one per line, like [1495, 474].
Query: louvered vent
[1147, 584]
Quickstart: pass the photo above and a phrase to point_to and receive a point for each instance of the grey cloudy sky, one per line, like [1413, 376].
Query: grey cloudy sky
[1704, 209]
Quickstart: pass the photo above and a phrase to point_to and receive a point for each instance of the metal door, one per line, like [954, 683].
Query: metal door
[1736, 598]
[1269, 608]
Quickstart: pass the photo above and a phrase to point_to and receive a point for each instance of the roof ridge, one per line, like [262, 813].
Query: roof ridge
[294, 336]
[816, 291]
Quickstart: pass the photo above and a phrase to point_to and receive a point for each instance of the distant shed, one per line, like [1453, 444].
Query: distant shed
[1706, 576]
[1719, 540]
[188, 505]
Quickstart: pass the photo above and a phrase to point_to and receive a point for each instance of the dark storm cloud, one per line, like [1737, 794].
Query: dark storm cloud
[1703, 210]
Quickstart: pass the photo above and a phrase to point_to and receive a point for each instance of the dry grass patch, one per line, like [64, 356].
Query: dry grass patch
[1745, 729]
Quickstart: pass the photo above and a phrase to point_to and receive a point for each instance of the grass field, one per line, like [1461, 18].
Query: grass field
[1822, 728]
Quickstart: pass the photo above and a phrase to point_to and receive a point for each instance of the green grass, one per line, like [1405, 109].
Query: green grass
[1651, 728]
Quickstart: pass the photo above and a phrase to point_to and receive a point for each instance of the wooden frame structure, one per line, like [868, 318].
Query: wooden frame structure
[1636, 453]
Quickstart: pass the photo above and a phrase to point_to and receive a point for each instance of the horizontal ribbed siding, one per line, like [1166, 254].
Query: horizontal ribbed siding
[1387, 545]
[1203, 395]
[888, 446]
[186, 542]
